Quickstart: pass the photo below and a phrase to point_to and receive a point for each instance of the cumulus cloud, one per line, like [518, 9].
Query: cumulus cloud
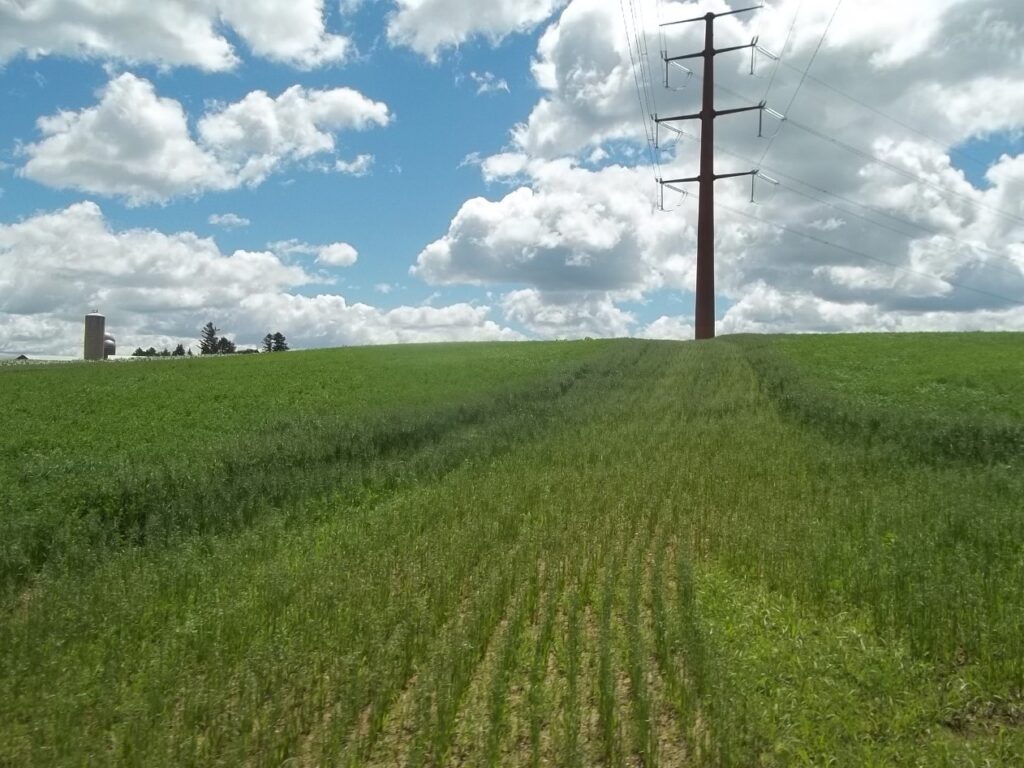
[668, 327]
[228, 220]
[488, 82]
[566, 228]
[133, 143]
[584, 69]
[358, 166]
[871, 226]
[329, 320]
[568, 314]
[138, 145]
[913, 56]
[171, 32]
[158, 289]
[332, 254]
[257, 134]
[430, 26]
[337, 255]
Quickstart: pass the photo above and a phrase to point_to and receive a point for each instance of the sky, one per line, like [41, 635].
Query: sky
[387, 171]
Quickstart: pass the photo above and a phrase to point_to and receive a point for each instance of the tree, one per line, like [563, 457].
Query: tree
[225, 346]
[268, 343]
[208, 341]
[179, 351]
[279, 343]
[139, 352]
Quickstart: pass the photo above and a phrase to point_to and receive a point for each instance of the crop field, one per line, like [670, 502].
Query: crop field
[755, 551]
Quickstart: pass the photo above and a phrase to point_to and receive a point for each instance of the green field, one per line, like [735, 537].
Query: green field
[755, 551]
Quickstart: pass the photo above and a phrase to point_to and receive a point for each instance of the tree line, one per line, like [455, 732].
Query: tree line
[179, 351]
[211, 343]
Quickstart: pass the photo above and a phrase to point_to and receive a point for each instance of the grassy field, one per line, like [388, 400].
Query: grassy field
[756, 551]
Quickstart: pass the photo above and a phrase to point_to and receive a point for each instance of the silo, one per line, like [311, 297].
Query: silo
[94, 326]
[109, 346]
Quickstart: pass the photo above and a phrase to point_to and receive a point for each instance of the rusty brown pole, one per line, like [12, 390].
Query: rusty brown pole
[704, 312]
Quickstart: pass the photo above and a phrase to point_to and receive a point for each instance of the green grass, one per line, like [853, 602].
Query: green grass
[937, 396]
[950, 374]
[579, 554]
[97, 457]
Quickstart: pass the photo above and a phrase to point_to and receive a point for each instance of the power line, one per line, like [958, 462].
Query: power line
[704, 295]
[799, 85]
[901, 233]
[782, 52]
[870, 156]
[853, 251]
[875, 159]
[640, 99]
[643, 58]
[944, 145]
[906, 222]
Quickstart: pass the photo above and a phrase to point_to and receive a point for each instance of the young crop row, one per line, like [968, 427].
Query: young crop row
[68, 511]
[798, 381]
[662, 568]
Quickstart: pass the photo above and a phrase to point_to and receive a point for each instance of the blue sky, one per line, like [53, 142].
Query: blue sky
[418, 180]
[976, 155]
[520, 209]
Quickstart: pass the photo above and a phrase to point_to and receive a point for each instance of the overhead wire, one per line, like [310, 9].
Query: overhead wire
[799, 85]
[905, 222]
[870, 156]
[782, 52]
[644, 104]
[944, 145]
[910, 237]
[805, 75]
[643, 56]
[862, 254]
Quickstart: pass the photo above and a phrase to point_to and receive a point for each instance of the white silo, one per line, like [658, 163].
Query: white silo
[95, 323]
[109, 346]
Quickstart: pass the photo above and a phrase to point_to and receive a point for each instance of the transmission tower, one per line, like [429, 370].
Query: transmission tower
[704, 312]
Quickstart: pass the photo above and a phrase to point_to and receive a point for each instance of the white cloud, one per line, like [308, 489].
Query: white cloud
[504, 166]
[359, 166]
[905, 241]
[329, 320]
[668, 327]
[429, 26]
[138, 145]
[569, 314]
[915, 58]
[764, 309]
[488, 82]
[171, 32]
[332, 254]
[72, 258]
[228, 220]
[337, 255]
[565, 229]
[258, 133]
[584, 69]
[133, 143]
[158, 289]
